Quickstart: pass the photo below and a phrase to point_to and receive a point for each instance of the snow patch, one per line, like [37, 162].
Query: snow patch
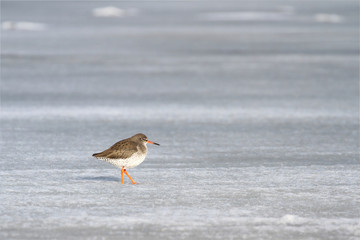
[328, 18]
[114, 12]
[289, 219]
[26, 26]
[247, 16]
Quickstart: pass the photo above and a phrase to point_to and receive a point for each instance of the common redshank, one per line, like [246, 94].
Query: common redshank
[127, 153]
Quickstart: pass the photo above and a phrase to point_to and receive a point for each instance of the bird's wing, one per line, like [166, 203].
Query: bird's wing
[122, 149]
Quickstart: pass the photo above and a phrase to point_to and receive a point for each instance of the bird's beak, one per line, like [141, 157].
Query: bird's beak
[152, 142]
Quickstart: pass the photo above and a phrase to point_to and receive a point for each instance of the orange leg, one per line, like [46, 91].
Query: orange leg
[122, 175]
[133, 182]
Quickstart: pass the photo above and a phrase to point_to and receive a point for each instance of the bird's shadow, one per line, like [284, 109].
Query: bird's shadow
[101, 178]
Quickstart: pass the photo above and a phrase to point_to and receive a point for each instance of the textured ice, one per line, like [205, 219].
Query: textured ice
[249, 202]
[258, 122]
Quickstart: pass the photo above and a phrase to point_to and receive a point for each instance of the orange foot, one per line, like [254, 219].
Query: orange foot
[133, 182]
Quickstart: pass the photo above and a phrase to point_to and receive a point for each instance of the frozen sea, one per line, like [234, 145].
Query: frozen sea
[255, 105]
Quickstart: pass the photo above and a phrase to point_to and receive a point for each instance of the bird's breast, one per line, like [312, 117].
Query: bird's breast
[142, 149]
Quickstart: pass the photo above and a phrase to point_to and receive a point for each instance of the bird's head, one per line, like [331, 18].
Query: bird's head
[142, 138]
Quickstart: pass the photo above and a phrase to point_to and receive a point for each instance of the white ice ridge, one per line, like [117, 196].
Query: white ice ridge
[26, 26]
[171, 113]
[111, 11]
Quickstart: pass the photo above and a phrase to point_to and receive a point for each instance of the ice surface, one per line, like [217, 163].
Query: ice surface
[249, 202]
[258, 122]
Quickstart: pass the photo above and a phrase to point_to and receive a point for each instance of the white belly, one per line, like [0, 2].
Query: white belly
[135, 160]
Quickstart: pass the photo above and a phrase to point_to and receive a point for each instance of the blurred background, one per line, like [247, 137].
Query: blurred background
[248, 96]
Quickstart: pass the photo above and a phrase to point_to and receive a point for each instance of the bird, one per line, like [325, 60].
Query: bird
[127, 153]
